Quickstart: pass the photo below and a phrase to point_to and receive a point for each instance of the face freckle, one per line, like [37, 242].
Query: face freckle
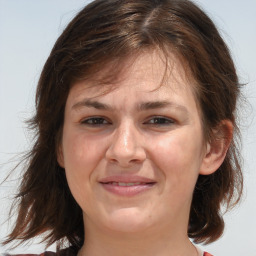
[136, 142]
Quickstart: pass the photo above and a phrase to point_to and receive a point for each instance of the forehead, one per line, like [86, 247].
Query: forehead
[149, 70]
[147, 80]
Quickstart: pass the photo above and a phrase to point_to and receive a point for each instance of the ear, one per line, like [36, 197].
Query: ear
[217, 148]
[60, 158]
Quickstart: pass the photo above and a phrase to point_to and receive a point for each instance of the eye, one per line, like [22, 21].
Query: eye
[95, 121]
[159, 120]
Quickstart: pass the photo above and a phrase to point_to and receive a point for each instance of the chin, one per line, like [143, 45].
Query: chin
[128, 220]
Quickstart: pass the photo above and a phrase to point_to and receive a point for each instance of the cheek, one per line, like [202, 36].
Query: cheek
[81, 157]
[81, 153]
[178, 157]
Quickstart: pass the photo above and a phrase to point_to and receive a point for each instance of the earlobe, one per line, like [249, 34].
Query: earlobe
[60, 158]
[217, 148]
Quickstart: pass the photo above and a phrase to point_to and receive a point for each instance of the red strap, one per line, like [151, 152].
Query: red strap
[207, 254]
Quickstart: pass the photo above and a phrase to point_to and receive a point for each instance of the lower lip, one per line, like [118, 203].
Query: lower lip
[127, 190]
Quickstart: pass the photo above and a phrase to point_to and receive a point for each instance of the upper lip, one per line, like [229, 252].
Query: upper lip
[126, 179]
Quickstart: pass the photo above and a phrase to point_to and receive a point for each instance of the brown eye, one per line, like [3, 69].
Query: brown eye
[160, 121]
[95, 121]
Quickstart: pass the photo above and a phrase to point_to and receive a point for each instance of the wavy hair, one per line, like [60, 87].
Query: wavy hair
[109, 31]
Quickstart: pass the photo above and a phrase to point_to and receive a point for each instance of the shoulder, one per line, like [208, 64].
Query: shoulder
[201, 253]
[64, 252]
[207, 254]
[30, 254]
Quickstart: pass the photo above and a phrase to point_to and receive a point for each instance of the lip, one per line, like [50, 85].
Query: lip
[127, 185]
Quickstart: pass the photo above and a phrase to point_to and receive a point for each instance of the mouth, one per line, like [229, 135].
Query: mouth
[127, 186]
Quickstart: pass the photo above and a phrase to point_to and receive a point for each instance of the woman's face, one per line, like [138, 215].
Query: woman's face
[132, 156]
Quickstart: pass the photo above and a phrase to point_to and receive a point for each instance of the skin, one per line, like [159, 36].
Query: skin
[136, 129]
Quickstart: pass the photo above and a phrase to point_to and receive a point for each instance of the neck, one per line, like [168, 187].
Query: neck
[150, 243]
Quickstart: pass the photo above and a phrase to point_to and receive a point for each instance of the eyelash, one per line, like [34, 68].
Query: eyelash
[154, 121]
[160, 120]
[95, 121]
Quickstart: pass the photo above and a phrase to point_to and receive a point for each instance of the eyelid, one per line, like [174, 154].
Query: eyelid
[158, 120]
[169, 120]
[85, 121]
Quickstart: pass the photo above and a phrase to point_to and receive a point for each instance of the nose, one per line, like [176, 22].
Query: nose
[126, 146]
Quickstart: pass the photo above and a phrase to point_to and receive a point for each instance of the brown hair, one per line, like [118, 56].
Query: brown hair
[108, 31]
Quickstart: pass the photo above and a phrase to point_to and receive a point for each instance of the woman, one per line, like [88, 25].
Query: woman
[136, 133]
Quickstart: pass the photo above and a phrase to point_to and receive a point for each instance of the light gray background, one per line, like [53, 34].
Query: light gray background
[28, 30]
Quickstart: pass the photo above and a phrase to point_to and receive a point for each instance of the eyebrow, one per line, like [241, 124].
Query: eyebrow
[160, 104]
[140, 107]
[91, 104]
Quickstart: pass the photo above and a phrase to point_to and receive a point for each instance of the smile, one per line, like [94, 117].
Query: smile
[122, 184]
[127, 186]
